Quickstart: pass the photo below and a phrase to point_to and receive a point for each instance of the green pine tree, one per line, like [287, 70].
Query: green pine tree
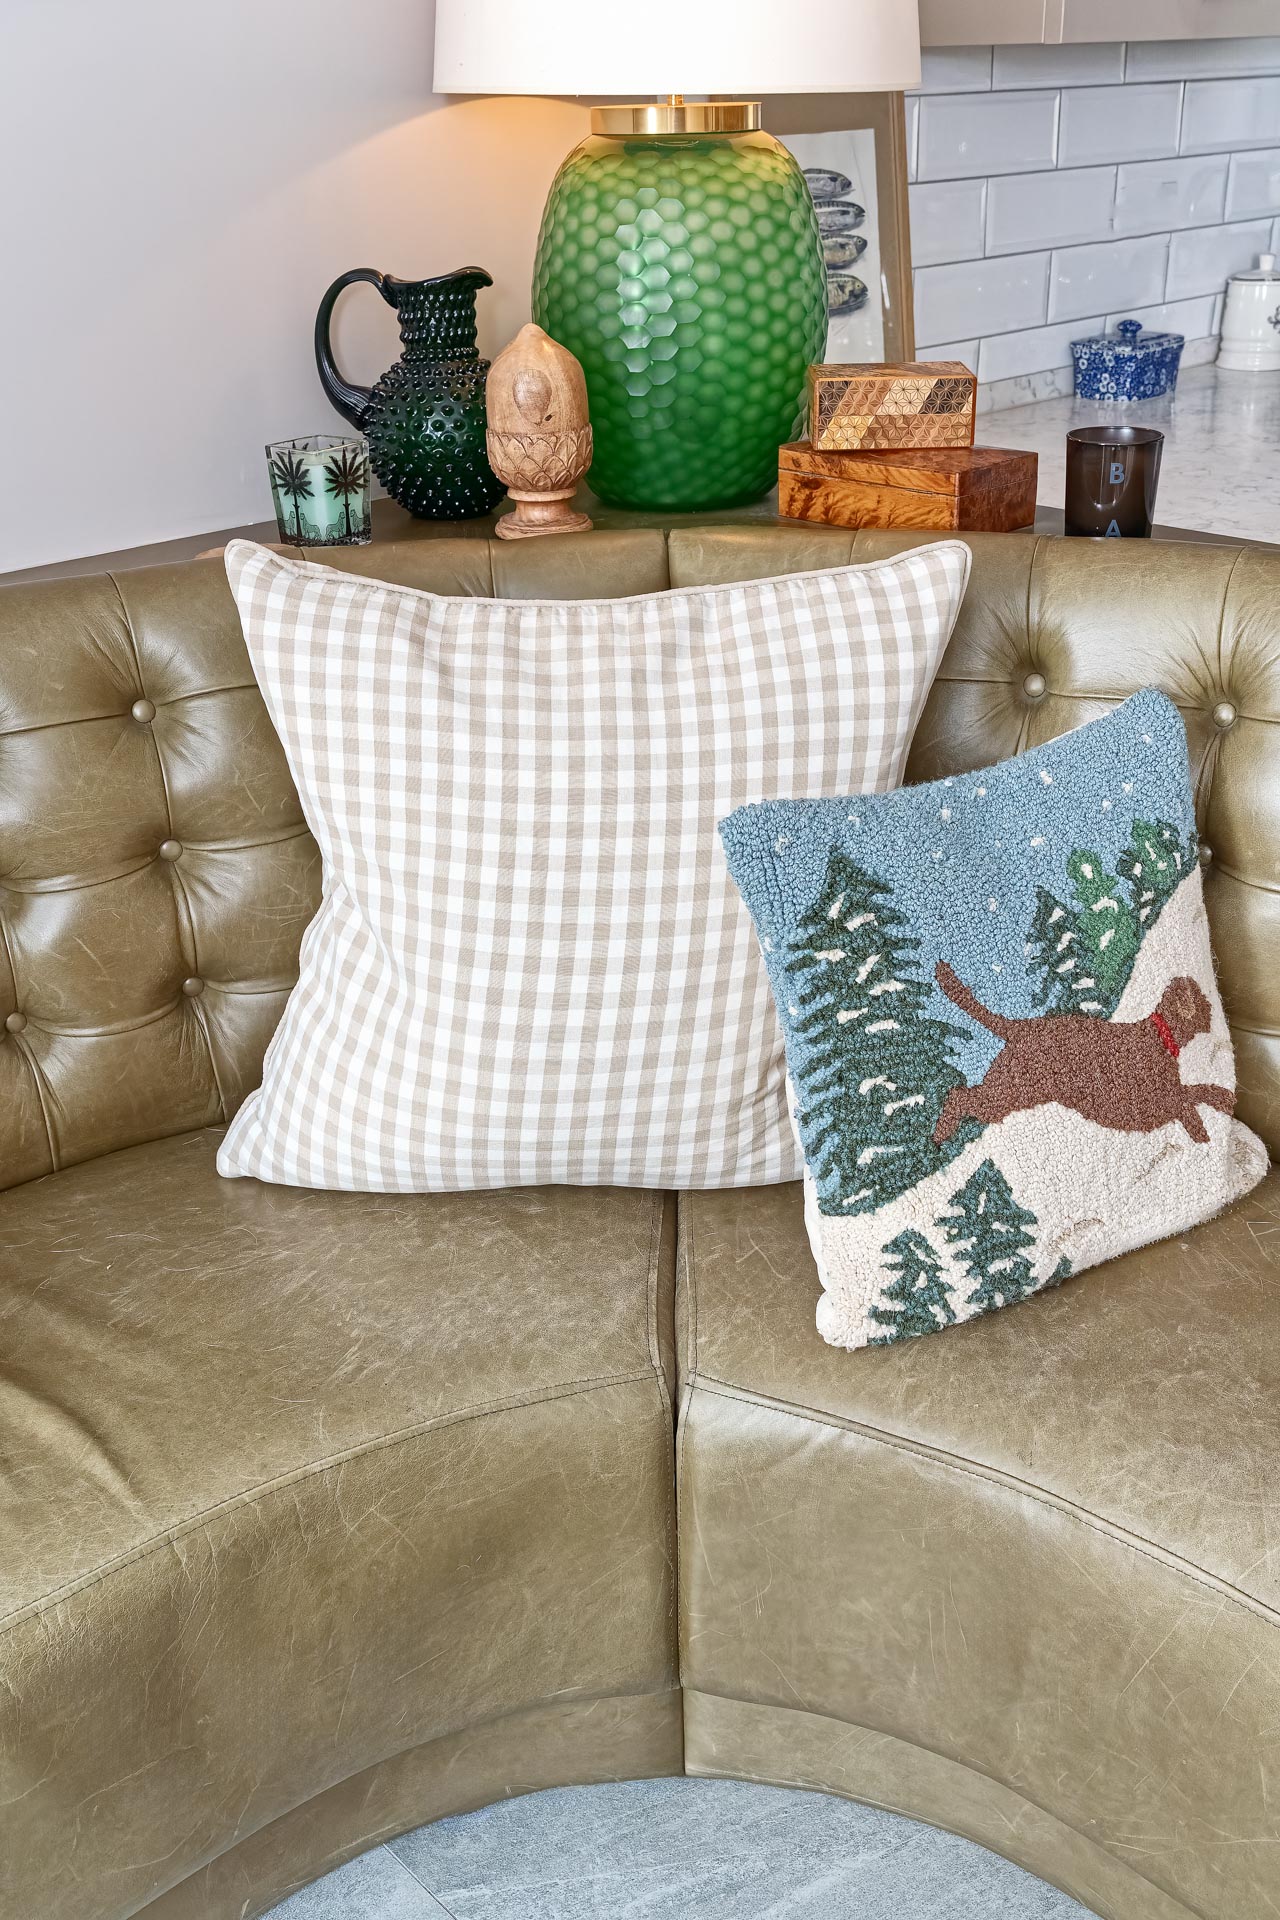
[1108, 935]
[879, 1068]
[1153, 866]
[1084, 953]
[1053, 951]
[990, 1229]
[921, 1297]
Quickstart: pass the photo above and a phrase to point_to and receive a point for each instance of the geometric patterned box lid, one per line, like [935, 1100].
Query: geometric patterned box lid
[913, 404]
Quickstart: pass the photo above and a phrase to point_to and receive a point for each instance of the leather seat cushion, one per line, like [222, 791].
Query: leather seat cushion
[1043, 1546]
[1146, 1393]
[406, 1461]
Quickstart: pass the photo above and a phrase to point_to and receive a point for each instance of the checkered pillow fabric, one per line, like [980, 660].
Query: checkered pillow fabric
[529, 964]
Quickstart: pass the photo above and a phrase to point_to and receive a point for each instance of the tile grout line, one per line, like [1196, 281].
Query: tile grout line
[419, 1882]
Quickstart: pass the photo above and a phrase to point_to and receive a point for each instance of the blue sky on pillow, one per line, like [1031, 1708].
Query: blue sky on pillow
[962, 972]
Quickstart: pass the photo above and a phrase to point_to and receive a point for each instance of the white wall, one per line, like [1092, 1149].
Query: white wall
[1060, 189]
[182, 182]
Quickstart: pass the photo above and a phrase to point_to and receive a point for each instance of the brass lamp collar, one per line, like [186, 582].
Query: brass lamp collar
[678, 116]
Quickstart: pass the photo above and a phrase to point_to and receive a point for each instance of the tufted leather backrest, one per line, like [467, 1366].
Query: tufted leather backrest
[156, 874]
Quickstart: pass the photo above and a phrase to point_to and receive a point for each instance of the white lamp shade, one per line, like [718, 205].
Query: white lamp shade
[731, 47]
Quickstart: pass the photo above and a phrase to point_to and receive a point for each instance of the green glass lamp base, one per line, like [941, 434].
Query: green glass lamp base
[685, 271]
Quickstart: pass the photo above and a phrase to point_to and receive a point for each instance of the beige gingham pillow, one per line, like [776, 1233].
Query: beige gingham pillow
[529, 964]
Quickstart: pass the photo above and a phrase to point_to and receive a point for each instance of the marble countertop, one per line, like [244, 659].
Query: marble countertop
[1221, 467]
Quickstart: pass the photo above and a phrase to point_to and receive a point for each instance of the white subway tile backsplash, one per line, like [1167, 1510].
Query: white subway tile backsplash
[1114, 272]
[1219, 115]
[1203, 261]
[955, 69]
[1198, 353]
[1026, 210]
[1254, 185]
[1057, 189]
[1082, 66]
[981, 296]
[948, 221]
[965, 351]
[1194, 318]
[1155, 196]
[1003, 356]
[965, 135]
[1193, 59]
[1024, 387]
[1118, 123]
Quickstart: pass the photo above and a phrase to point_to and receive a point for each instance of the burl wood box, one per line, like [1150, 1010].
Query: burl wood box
[954, 489]
[919, 403]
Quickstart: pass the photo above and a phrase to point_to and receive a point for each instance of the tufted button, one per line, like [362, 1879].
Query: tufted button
[1224, 715]
[15, 1023]
[1206, 854]
[1034, 686]
[170, 849]
[193, 987]
[143, 711]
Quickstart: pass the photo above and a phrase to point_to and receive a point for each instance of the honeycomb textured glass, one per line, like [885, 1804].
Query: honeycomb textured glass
[686, 274]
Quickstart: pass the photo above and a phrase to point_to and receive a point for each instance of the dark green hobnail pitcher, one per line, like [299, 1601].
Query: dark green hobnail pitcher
[424, 419]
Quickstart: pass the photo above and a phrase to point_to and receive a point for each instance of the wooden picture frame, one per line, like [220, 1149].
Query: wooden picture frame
[884, 116]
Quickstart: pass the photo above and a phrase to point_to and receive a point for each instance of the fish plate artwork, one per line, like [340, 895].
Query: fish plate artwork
[919, 403]
[840, 172]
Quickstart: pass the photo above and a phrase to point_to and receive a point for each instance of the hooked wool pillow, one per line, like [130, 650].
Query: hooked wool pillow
[1008, 1051]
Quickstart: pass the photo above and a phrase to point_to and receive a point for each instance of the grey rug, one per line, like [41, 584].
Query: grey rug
[673, 1850]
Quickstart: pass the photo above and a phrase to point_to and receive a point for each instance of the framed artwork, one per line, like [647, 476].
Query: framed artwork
[852, 148]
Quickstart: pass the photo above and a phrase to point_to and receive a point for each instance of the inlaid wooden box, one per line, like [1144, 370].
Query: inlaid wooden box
[955, 489]
[919, 403]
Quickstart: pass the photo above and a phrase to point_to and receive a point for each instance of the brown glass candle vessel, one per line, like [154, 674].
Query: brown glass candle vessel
[1111, 482]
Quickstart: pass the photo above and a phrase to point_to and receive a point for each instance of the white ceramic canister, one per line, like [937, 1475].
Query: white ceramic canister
[1251, 321]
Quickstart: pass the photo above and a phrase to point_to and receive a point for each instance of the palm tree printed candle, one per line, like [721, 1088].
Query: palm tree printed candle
[346, 478]
[320, 487]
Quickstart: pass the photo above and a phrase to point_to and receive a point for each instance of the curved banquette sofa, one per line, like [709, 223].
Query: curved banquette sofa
[323, 1515]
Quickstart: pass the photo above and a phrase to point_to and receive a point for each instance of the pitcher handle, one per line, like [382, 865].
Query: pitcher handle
[349, 400]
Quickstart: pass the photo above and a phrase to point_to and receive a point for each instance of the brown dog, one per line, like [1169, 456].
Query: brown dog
[1118, 1073]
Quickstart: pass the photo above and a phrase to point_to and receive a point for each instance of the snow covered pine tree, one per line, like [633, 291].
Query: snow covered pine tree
[1052, 950]
[879, 1066]
[1155, 863]
[922, 1298]
[1084, 953]
[1108, 931]
[990, 1228]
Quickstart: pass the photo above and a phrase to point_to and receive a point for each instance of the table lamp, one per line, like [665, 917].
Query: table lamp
[679, 256]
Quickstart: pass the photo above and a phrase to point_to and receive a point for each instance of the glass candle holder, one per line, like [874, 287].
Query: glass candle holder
[1112, 474]
[320, 486]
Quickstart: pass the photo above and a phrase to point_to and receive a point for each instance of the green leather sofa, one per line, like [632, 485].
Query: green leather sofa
[324, 1515]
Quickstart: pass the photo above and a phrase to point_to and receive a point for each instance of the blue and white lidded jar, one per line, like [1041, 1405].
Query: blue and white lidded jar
[1124, 366]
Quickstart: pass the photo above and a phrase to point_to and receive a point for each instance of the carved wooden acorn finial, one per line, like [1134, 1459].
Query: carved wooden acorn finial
[539, 437]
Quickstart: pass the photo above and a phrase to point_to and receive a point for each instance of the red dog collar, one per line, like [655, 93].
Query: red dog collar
[1165, 1031]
